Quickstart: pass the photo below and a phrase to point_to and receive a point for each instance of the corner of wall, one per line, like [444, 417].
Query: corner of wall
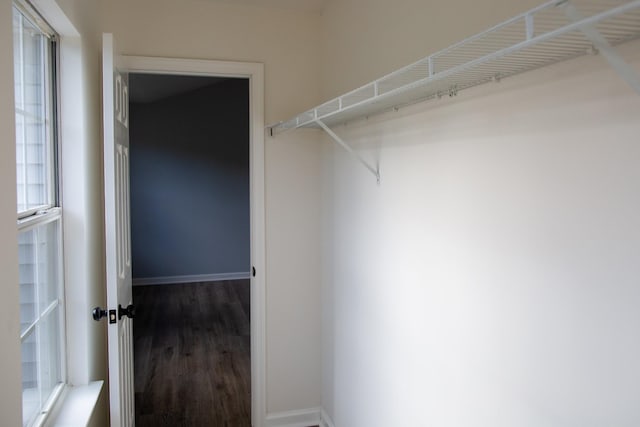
[325, 419]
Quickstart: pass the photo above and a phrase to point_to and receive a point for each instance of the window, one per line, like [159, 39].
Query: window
[39, 217]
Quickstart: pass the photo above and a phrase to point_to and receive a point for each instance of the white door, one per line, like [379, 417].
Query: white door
[118, 236]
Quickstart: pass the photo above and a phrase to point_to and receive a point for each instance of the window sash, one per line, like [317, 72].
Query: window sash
[35, 89]
[42, 313]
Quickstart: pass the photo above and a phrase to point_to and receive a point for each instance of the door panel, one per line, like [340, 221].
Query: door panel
[117, 236]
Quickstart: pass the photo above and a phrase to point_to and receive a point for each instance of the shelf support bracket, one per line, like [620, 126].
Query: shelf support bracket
[374, 170]
[624, 69]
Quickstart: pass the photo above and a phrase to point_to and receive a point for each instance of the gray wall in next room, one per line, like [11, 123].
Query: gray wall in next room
[189, 177]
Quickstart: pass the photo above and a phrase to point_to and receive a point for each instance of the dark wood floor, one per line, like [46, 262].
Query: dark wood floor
[192, 355]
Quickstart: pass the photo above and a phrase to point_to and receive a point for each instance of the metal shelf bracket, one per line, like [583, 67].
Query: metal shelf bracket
[601, 45]
[374, 170]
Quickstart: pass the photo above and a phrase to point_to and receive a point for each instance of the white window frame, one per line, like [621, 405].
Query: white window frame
[50, 212]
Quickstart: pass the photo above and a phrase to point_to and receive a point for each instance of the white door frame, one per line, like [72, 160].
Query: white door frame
[254, 72]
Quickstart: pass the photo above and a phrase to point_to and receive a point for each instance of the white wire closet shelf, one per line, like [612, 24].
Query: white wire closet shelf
[552, 32]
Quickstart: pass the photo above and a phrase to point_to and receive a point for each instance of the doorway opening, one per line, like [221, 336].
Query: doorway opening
[191, 248]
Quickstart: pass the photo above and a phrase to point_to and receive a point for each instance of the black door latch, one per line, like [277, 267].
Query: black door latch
[99, 313]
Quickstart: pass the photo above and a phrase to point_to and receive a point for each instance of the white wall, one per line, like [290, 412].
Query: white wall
[363, 40]
[294, 271]
[491, 279]
[11, 390]
[287, 43]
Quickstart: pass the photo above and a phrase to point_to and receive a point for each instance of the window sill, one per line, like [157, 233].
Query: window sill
[75, 406]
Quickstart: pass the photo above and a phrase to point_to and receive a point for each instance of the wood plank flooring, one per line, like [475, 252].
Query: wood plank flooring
[192, 355]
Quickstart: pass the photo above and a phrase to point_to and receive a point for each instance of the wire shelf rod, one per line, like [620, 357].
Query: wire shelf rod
[541, 36]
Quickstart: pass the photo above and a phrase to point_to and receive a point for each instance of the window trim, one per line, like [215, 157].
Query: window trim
[49, 406]
[29, 11]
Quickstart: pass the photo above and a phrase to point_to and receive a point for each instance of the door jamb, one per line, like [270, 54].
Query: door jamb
[254, 72]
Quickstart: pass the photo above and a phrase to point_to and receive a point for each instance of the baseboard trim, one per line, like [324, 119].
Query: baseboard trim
[325, 419]
[168, 280]
[300, 418]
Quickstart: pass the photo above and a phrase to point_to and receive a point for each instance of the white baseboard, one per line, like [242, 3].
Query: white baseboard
[167, 280]
[300, 418]
[325, 419]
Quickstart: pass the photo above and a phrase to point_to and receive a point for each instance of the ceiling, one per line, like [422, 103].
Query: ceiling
[144, 88]
[313, 6]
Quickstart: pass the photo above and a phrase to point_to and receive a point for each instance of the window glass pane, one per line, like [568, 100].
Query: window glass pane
[27, 267]
[49, 352]
[17, 65]
[33, 140]
[20, 169]
[48, 239]
[30, 392]
[40, 280]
